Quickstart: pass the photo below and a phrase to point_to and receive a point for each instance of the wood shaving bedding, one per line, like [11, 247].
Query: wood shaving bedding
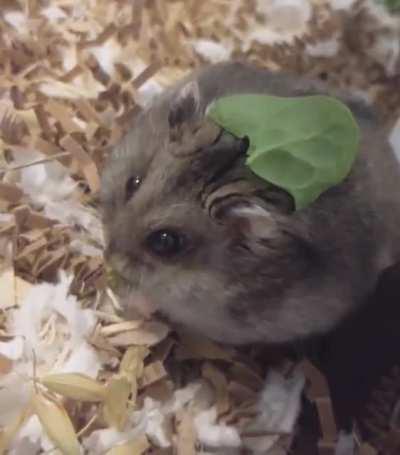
[72, 77]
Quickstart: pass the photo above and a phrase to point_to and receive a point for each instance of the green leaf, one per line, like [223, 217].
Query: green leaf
[393, 6]
[303, 145]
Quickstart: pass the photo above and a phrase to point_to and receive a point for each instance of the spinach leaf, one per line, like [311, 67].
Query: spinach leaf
[304, 145]
[393, 6]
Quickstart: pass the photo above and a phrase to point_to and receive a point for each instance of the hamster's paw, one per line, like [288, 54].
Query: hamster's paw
[278, 409]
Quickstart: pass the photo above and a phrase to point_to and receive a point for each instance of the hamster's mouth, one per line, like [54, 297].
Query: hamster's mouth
[135, 305]
[139, 303]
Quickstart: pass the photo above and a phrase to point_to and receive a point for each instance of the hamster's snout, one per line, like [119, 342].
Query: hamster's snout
[117, 261]
[131, 298]
[139, 303]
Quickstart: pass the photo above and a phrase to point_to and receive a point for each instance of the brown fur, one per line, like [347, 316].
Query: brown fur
[256, 271]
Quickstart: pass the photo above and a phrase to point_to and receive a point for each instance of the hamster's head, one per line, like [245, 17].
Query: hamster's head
[200, 238]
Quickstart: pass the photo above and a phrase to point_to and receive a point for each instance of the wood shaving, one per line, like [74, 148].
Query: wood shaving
[153, 373]
[220, 384]
[147, 334]
[186, 437]
[6, 365]
[318, 393]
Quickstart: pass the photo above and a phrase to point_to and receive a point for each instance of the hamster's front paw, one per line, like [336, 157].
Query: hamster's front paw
[278, 409]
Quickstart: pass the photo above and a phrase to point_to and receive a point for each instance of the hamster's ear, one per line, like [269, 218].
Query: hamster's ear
[257, 231]
[185, 106]
[249, 221]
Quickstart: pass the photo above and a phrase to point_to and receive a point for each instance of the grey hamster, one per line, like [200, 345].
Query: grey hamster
[208, 245]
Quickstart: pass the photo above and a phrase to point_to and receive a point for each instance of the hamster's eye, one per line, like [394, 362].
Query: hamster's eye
[166, 243]
[132, 184]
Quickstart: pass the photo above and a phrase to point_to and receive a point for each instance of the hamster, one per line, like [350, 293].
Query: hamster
[208, 245]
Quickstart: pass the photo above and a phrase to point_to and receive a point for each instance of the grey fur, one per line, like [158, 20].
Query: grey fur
[257, 272]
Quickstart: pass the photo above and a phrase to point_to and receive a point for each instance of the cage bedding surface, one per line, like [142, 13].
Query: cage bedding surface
[75, 376]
